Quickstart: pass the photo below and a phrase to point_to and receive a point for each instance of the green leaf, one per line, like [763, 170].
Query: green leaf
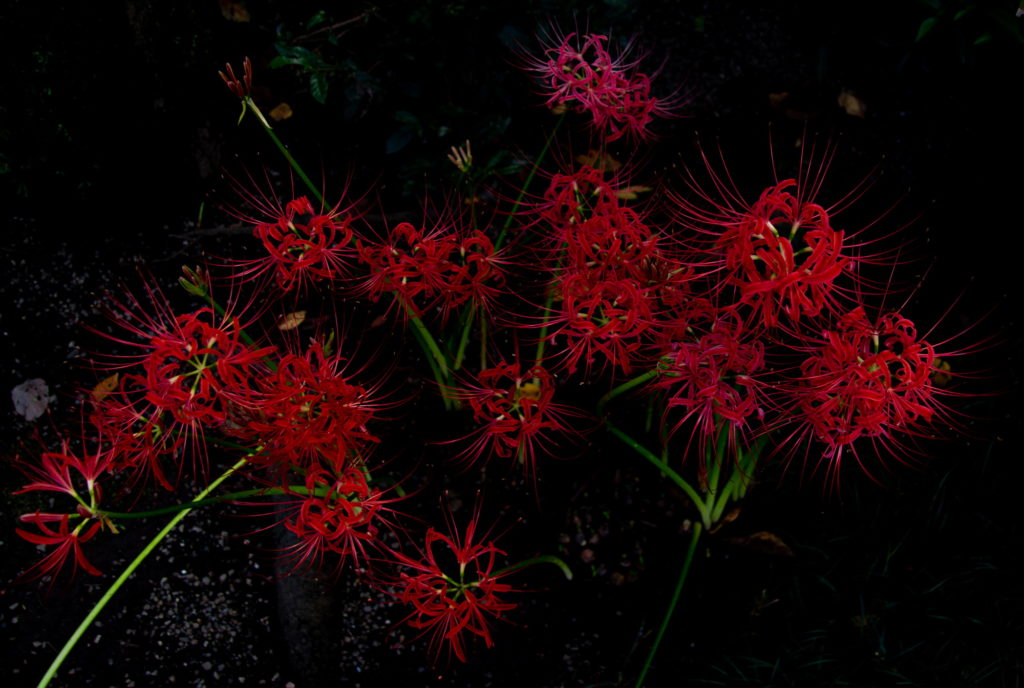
[926, 27]
[317, 19]
[983, 38]
[318, 86]
[283, 62]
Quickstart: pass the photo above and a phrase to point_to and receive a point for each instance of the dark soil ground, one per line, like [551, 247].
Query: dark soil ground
[113, 130]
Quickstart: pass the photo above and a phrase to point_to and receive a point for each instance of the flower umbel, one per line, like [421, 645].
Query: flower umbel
[455, 603]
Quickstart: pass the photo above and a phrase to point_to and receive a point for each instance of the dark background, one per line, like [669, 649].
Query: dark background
[114, 131]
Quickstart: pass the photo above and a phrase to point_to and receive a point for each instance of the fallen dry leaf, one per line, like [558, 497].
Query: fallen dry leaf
[942, 377]
[599, 161]
[234, 10]
[630, 193]
[852, 104]
[105, 387]
[764, 542]
[281, 112]
[291, 321]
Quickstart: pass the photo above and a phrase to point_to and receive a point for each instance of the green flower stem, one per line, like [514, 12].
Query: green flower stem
[284, 151]
[526, 185]
[129, 570]
[625, 387]
[435, 357]
[543, 336]
[483, 341]
[543, 559]
[301, 490]
[694, 539]
[467, 325]
[704, 509]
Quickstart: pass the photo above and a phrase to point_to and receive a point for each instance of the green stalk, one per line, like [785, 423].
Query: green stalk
[543, 559]
[129, 570]
[284, 151]
[694, 538]
[435, 357]
[526, 184]
[694, 496]
[466, 326]
[625, 387]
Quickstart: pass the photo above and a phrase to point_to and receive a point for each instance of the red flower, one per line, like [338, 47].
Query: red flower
[784, 255]
[303, 245]
[864, 379]
[516, 414]
[338, 513]
[191, 371]
[602, 317]
[578, 71]
[198, 367]
[136, 433]
[68, 541]
[311, 414]
[441, 268]
[413, 263]
[457, 604]
[76, 475]
[710, 377]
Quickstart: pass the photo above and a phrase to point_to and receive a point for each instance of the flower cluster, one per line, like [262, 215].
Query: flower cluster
[741, 318]
[579, 71]
[516, 414]
[454, 605]
[442, 268]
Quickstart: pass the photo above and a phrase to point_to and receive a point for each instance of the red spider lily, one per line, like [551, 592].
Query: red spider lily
[864, 379]
[67, 539]
[337, 513]
[311, 412]
[477, 274]
[784, 255]
[516, 414]
[53, 472]
[571, 198]
[606, 318]
[578, 71]
[617, 245]
[137, 434]
[412, 263]
[198, 368]
[439, 268]
[454, 606]
[192, 371]
[303, 246]
[710, 378]
[779, 255]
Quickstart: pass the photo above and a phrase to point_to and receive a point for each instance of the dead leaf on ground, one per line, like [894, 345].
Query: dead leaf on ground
[291, 321]
[599, 161]
[729, 517]
[777, 99]
[630, 193]
[281, 112]
[234, 10]
[105, 387]
[763, 542]
[852, 104]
